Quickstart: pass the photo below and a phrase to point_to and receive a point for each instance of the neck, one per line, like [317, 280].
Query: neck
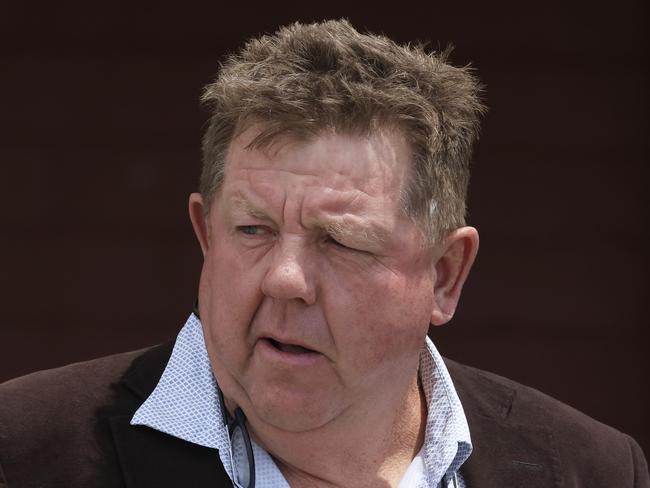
[370, 446]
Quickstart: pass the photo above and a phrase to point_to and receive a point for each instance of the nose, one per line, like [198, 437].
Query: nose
[289, 275]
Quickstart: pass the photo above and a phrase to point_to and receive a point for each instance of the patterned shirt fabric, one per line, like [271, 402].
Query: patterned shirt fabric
[186, 405]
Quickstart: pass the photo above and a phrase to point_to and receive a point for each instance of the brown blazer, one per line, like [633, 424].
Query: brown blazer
[69, 428]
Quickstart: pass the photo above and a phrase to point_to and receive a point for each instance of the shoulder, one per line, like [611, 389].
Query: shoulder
[74, 383]
[60, 416]
[580, 447]
[490, 395]
[59, 392]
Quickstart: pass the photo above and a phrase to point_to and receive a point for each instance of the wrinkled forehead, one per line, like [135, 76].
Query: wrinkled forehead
[375, 162]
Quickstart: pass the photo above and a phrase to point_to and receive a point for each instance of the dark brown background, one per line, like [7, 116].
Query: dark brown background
[100, 128]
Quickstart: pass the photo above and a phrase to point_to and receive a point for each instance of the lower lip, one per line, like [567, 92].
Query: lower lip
[290, 358]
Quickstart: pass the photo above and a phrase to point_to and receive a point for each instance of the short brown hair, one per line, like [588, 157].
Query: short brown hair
[308, 78]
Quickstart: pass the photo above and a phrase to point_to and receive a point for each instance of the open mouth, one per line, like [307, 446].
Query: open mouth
[289, 348]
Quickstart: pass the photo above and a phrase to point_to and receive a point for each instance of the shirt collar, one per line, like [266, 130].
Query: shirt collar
[447, 442]
[185, 404]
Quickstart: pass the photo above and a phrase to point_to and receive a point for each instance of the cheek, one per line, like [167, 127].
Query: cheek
[229, 297]
[379, 318]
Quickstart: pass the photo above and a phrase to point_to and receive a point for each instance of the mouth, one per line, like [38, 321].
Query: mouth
[289, 354]
[289, 348]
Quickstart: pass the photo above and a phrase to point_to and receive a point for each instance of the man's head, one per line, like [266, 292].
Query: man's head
[319, 284]
[309, 79]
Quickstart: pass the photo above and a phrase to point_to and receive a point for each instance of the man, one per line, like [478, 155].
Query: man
[331, 220]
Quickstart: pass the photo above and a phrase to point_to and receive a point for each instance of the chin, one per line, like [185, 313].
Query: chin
[292, 411]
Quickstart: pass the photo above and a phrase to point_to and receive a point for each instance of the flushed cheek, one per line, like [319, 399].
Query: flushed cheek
[391, 342]
[388, 324]
[362, 355]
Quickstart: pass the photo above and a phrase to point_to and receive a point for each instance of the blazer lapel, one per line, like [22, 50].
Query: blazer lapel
[147, 457]
[505, 453]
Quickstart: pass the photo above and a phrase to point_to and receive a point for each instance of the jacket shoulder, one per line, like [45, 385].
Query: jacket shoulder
[587, 451]
[75, 378]
[60, 416]
[63, 391]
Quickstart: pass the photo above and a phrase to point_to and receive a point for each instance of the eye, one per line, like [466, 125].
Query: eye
[253, 230]
[334, 242]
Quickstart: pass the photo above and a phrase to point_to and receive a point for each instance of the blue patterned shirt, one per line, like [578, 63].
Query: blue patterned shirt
[185, 404]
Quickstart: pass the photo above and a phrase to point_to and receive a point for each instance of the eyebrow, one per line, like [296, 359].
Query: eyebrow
[240, 203]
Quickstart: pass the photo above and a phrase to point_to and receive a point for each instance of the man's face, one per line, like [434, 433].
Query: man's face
[316, 290]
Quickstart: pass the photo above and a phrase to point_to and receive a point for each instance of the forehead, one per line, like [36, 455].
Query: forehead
[376, 164]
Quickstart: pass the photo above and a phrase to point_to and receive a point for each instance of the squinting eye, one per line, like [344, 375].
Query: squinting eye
[331, 240]
[344, 247]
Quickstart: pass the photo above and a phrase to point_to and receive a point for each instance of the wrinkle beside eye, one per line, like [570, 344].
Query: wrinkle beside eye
[383, 265]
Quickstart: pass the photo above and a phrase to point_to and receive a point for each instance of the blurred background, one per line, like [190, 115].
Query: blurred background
[100, 129]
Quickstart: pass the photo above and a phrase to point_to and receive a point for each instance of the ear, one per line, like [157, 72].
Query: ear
[199, 222]
[454, 260]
